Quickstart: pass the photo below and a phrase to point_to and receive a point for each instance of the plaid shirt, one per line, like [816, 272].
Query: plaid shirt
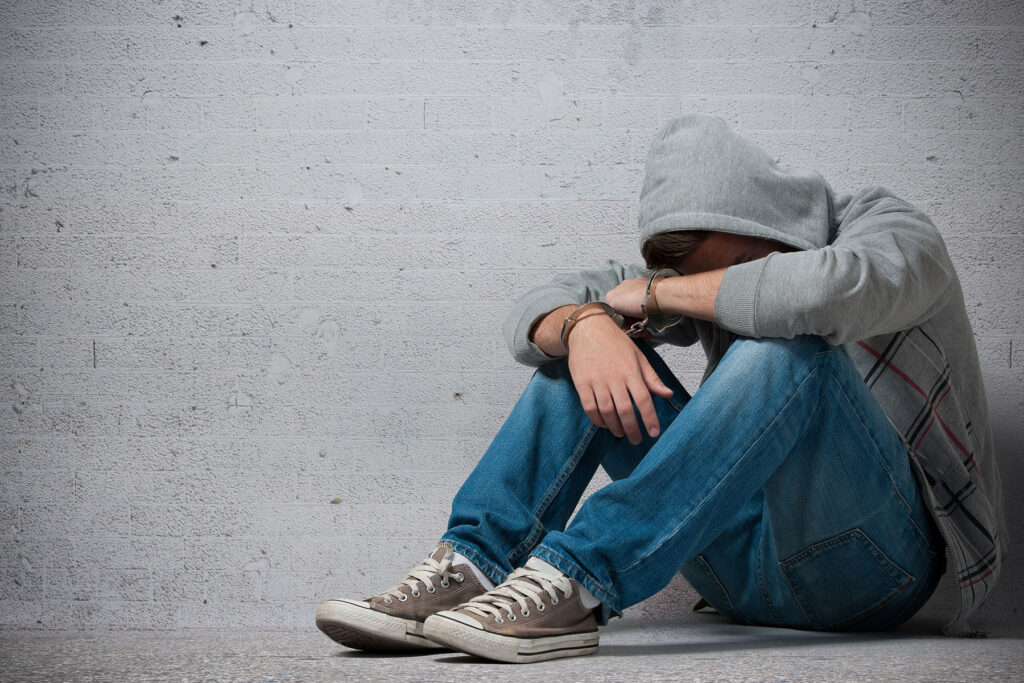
[912, 378]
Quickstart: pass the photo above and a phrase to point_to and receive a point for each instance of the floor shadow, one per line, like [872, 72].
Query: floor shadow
[796, 640]
[409, 654]
[462, 658]
[719, 624]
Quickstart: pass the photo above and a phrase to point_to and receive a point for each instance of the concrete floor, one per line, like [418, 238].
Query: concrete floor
[697, 648]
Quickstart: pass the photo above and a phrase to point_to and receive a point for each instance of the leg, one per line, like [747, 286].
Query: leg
[791, 417]
[528, 483]
[530, 479]
[838, 540]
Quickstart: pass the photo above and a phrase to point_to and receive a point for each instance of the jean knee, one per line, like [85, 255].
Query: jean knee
[804, 348]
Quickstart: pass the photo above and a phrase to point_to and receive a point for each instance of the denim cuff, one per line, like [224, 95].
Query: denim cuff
[609, 602]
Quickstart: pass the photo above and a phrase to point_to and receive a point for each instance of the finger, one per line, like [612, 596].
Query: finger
[642, 399]
[589, 403]
[651, 378]
[606, 404]
[627, 416]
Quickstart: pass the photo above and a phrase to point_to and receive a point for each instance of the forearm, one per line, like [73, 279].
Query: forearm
[690, 295]
[577, 288]
[545, 332]
[887, 270]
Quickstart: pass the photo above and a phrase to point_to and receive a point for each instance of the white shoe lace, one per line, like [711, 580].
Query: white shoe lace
[521, 585]
[424, 573]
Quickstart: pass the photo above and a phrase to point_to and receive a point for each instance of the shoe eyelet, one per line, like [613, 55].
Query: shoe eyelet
[459, 577]
[511, 617]
[541, 607]
[499, 620]
[403, 598]
[416, 594]
[526, 613]
[554, 601]
[445, 584]
[389, 602]
[431, 589]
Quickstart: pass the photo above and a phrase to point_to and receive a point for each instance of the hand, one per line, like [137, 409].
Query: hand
[627, 295]
[611, 374]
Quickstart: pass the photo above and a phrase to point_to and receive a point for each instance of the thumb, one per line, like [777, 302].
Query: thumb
[652, 380]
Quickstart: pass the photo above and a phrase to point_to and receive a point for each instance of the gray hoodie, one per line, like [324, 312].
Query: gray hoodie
[871, 273]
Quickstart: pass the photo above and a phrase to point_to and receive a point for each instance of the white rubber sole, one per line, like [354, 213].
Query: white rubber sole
[476, 641]
[354, 624]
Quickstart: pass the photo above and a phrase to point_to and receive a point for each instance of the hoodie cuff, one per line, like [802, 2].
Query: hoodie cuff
[517, 328]
[736, 301]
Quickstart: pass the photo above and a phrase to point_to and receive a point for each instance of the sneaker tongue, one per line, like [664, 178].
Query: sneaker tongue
[441, 550]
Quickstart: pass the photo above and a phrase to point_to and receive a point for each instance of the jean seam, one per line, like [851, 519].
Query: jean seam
[569, 466]
[763, 585]
[741, 459]
[874, 441]
[524, 547]
[912, 600]
[851, 623]
[676, 403]
[882, 461]
[926, 540]
[796, 595]
[710, 571]
[553, 490]
[673, 400]
[902, 615]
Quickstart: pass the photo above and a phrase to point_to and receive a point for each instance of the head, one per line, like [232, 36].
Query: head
[696, 251]
[712, 198]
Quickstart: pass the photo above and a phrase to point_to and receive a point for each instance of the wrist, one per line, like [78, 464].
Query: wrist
[545, 329]
[589, 321]
[651, 307]
[587, 310]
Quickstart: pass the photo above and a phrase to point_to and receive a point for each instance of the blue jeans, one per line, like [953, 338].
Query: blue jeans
[779, 490]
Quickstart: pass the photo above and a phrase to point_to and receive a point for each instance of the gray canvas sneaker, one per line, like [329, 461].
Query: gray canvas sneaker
[393, 620]
[530, 617]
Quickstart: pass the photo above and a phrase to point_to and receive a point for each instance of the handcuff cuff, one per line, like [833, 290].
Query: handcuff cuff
[652, 320]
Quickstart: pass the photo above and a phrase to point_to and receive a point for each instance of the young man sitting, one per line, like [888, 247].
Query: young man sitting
[837, 448]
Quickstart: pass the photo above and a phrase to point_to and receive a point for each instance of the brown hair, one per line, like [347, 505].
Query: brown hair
[667, 249]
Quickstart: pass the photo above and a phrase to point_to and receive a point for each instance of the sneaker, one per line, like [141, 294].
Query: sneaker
[393, 620]
[530, 617]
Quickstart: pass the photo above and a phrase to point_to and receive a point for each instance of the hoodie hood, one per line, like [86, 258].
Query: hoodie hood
[700, 175]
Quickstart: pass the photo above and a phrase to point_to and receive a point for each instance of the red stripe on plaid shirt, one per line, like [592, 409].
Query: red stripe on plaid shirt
[980, 578]
[969, 457]
[934, 415]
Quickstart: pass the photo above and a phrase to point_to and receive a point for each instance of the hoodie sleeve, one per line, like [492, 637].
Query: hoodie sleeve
[579, 287]
[886, 270]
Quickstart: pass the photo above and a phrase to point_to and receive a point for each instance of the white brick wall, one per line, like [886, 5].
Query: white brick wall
[243, 241]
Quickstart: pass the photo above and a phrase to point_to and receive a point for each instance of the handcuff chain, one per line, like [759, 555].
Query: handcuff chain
[637, 327]
[640, 325]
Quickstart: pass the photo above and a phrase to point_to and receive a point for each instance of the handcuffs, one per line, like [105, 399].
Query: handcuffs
[653, 320]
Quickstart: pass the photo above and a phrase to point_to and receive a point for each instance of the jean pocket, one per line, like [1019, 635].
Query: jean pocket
[842, 580]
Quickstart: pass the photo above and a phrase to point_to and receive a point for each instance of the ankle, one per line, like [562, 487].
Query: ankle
[459, 558]
[586, 597]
